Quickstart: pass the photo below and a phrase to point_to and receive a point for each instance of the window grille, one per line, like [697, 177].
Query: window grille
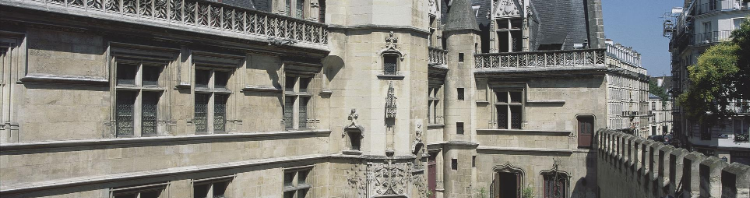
[502, 116]
[124, 113]
[303, 113]
[149, 115]
[288, 112]
[390, 65]
[220, 113]
[515, 117]
[201, 113]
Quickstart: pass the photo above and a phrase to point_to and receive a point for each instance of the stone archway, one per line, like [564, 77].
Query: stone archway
[507, 181]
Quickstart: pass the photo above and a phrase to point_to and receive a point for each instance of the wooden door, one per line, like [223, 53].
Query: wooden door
[585, 131]
[431, 175]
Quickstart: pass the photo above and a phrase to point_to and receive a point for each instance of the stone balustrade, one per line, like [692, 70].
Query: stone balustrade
[562, 58]
[193, 15]
[437, 56]
[630, 166]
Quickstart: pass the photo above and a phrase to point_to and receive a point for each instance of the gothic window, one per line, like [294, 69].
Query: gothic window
[137, 94]
[212, 187]
[296, 102]
[509, 107]
[555, 185]
[143, 191]
[390, 64]
[211, 96]
[296, 184]
[454, 164]
[433, 106]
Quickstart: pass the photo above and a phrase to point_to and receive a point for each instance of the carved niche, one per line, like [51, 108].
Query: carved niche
[391, 46]
[390, 102]
[507, 8]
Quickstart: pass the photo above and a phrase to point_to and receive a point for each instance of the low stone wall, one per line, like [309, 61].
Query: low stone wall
[630, 166]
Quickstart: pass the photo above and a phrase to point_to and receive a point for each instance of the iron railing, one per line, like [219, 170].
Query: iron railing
[588, 57]
[194, 14]
[437, 56]
[712, 37]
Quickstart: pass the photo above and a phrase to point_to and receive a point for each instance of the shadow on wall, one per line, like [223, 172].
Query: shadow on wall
[332, 64]
[586, 186]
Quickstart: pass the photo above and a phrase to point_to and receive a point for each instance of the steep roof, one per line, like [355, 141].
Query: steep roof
[461, 16]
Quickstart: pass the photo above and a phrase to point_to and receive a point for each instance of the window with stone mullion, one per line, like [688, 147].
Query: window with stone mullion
[211, 96]
[137, 96]
[295, 183]
[509, 107]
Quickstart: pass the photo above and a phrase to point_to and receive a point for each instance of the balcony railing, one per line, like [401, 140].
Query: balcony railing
[437, 56]
[712, 37]
[739, 107]
[570, 58]
[720, 5]
[195, 14]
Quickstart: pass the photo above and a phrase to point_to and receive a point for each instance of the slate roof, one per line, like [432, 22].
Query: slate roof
[461, 16]
[561, 22]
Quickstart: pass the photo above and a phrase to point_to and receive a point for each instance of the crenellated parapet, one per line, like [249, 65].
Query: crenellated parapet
[630, 166]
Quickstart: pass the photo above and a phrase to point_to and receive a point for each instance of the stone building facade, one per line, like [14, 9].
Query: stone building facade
[660, 120]
[695, 27]
[307, 98]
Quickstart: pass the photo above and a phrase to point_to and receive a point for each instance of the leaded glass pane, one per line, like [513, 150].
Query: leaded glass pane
[390, 66]
[300, 9]
[288, 7]
[149, 115]
[288, 112]
[201, 113]
[502, 116]
[220, 113]
[303, 113]
[124, 113]
[515, 117]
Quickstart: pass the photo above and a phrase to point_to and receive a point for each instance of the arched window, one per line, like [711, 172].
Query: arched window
[555, 184]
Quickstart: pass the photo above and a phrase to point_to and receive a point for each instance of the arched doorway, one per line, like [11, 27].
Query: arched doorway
[507, 182]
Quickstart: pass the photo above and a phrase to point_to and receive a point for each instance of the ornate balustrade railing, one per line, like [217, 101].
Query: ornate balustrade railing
[437, 56]
[203, 14]
[567, 58]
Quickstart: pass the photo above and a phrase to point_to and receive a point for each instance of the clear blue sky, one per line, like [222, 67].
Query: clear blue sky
[636, 23]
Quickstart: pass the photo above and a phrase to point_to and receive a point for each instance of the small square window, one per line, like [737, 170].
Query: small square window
[454, 164]
[459, 128]
[390, 65]
[289, 178]
[460, 93]
[461, 57]
[201, 190]
[303, 83]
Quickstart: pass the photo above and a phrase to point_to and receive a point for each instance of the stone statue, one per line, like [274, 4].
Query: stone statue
[353, 118]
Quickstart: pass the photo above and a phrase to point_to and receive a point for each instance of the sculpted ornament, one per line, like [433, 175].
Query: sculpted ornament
[389, 179]
[357, 180]
[390, 103]
[506, 8]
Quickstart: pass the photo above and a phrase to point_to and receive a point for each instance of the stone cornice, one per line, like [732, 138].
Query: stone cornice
[523, 132]
[379, 27]
[486, 149]
[6, 148]
[35, 186]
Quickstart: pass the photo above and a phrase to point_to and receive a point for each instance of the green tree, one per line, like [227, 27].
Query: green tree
[722, 75]
[658, 91]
